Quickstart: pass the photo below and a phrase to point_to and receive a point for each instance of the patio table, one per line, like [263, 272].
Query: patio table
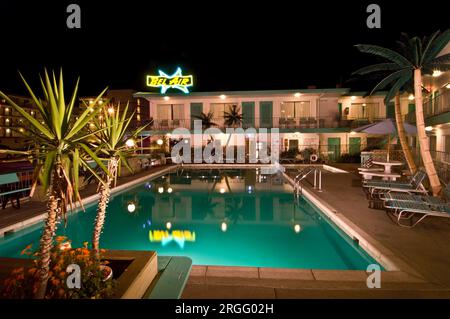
[388, 165]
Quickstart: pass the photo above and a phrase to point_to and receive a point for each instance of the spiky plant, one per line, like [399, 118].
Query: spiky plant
[207, 120]
[115, 148]
[59, 152]
[416, 57]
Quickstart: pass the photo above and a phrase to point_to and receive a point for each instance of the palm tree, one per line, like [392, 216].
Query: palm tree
[58, 154]
[207, 120]
[114, 148]
[233, 118]
[415, 57]
[386, 67]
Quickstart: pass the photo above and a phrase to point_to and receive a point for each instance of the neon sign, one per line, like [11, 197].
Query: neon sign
[174, 81]
[165, 237]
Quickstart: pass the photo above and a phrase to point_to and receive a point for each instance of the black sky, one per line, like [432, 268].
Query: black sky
[226, 45]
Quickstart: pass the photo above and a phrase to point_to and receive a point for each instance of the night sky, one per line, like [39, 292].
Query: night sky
[226, 45]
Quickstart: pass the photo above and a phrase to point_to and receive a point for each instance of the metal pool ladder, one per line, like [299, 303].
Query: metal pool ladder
[303, 173]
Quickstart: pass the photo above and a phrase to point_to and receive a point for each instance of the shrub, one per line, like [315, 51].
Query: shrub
[24, 282]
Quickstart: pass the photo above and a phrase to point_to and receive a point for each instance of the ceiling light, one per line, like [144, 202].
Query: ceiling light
[437, 73]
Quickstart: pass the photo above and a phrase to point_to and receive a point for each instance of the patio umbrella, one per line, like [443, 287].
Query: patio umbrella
[387, 126]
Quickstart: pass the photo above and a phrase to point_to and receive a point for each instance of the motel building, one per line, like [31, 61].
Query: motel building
[321, 119]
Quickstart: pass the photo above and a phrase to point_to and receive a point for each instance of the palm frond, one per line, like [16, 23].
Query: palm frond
[435, 46]
[385, 53]
[380, 67]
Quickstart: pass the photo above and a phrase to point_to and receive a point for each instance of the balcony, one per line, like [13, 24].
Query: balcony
[272, 122]
[440, 104]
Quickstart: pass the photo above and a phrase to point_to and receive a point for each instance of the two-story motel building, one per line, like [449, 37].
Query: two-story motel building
[318, 118]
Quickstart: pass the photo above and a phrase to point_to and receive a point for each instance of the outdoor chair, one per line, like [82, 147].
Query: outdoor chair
[412, 185]
[437, 202]
[407, 211]
[291, 123]
[303, 122]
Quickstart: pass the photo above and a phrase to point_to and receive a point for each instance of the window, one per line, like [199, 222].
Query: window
[364, 111]
[218, 109]
[169, 111]
[295, 109]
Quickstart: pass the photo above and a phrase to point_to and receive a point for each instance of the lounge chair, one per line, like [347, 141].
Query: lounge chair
[438, 202]
[405, 210]
[412, 185]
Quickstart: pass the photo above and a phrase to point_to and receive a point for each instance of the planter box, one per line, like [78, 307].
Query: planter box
[139, 274]
[133, 270]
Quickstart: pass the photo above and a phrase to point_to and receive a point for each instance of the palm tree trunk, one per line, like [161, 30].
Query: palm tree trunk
[435, 184]
[46, 241]
[104, 195]
[402, 136]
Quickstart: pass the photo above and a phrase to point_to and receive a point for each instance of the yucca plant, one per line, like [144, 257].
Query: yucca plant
[416, 57]
[58, 154]
[115, 148]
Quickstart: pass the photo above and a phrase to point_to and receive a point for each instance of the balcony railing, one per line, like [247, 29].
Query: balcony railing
[272, 122]
[438, 105]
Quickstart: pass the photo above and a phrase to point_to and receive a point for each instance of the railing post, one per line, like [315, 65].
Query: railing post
[320, 180]
[315, 178]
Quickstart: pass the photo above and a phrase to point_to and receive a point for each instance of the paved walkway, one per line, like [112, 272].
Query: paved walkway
[424, 247]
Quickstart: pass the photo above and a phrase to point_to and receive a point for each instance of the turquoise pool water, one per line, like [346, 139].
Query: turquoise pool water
[226, 217]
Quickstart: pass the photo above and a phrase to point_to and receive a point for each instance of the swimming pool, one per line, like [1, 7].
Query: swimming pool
[216, 217]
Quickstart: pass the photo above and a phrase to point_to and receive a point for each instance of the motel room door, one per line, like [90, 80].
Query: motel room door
[334, 148]
[248, 114]
[265, 114]
[354, 145]
[196, 110]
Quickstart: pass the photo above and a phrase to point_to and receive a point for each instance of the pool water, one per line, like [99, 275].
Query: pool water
[216, 217]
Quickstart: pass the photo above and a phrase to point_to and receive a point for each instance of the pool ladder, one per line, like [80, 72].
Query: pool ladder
[303, 173]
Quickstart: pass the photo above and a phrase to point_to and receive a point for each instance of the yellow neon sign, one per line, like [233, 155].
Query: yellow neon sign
[175, 81]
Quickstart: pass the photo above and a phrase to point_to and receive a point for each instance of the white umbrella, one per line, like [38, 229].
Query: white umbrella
[387, 126]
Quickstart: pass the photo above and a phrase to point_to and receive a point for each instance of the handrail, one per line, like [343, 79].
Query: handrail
[298, 190]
